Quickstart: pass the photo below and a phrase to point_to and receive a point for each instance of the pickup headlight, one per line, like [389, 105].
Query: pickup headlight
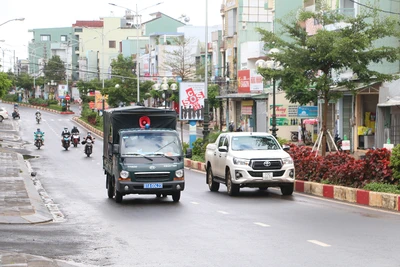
[288, 161]
[179, 173]
[124, 174]
[239, 161]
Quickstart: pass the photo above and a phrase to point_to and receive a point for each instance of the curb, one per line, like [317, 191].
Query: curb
[40, 107]
[346, 194]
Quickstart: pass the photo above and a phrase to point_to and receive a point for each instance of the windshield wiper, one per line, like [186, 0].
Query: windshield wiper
[165, 146]
[162, 154]
[138, 154]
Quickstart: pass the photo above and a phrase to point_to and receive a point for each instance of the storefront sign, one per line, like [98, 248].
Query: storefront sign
[249, 81]
[307, 111]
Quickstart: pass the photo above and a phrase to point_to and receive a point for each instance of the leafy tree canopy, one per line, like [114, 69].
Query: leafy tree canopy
[5, 84]
[55, 69]
[307, 62]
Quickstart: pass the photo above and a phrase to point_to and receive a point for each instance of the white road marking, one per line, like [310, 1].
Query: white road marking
[223, 212]
[262, 224]
[194, 203]
[316, 242]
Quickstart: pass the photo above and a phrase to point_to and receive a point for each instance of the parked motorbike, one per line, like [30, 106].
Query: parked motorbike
[39, 141]
[38, 118]
[294, 136]
[15, 115]
[338, 142]
[88, 147]
[75, 139]
[66, 141]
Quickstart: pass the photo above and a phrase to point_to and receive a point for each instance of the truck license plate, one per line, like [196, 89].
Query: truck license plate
[267, 175]
[157, 185]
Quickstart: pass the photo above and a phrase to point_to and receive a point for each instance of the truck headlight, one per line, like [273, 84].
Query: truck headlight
[288, 161]
[239, 161]
[179, 173]
[124, 174]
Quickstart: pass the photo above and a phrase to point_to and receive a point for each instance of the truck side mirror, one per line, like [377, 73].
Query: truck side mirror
[115, 149]
[188, 153]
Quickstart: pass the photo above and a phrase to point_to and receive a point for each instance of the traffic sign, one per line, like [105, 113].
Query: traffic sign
[67, 97]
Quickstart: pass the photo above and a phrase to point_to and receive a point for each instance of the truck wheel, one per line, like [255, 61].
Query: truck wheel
[176, 196]
[287, 190]
[110, 188]
[118, 197]
[233, 189]
[212, 185]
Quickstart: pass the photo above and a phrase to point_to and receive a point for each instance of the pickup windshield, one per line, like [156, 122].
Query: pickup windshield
[150, 144]
[254, 143]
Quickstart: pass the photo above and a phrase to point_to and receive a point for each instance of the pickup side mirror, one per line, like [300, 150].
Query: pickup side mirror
[223, 149]
[286, 147]
[188, 153]
[115, 149]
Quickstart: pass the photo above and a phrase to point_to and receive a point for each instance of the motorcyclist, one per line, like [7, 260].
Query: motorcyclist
[88, 136]
[231, 126]
[39, 132]
[65, 132]
[38, 113]
[75, 131]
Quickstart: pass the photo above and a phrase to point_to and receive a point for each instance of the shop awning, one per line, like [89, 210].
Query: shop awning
[390, 102]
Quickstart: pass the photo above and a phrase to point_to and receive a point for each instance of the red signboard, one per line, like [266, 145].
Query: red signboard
[244, 81]
[67, 97]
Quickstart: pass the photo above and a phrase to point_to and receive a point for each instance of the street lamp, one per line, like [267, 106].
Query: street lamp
[137, 25]
[273, 65]
[19, 19]
[165, 87]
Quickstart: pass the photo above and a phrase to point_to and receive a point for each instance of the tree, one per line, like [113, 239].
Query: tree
[5, 84]
[309, 61]
[179, 59]
[214, 102]
[24, 81]
[55, 69]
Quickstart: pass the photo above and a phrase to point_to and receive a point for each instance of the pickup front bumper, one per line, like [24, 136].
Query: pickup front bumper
[252, 178]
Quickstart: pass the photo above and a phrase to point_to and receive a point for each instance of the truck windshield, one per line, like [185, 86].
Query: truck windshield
[150, 144]
[254, 143]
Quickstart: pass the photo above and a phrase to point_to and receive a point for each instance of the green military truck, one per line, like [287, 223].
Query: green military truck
[143, 153]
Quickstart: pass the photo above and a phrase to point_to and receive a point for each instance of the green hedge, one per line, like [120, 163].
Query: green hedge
[10, 98]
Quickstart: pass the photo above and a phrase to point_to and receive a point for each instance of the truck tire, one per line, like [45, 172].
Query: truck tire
[287, 190]
[176, 196]
[233, 189]
[212, 185]
[118, 196]
[110, 187]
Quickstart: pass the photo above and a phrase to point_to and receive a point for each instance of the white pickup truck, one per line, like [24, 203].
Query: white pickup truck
[245, 159]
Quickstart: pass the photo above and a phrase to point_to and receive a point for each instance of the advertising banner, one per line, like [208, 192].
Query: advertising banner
[249, 81]
[307, 112]
[191, 100]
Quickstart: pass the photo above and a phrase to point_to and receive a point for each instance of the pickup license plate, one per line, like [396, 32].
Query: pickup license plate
[267, 176]
[157, 185]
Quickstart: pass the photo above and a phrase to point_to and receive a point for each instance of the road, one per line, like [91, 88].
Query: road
[204, 229]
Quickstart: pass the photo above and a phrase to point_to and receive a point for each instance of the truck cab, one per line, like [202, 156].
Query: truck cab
[143, 159]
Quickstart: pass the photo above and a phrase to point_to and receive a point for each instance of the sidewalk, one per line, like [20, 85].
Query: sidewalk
[20, 202]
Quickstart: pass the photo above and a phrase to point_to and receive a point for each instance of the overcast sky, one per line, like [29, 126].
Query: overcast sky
[56, 13]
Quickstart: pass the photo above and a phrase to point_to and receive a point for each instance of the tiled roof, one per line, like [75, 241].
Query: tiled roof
[88, 23]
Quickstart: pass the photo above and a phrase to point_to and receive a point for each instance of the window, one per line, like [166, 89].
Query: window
[45, 38]
[63, 38]
[78, 30]
[111, 44]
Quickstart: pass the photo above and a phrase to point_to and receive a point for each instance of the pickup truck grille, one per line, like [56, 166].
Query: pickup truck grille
[274, 174]
[266, 164]
[152, 176]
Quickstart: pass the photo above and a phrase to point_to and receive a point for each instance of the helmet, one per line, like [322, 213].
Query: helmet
[38, 129]
[37, 110]
[74, 127]
[88, 133]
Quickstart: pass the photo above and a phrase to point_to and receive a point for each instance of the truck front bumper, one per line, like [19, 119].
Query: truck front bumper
[170, 187]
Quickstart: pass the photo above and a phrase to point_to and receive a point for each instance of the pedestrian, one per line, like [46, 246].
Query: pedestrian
[300, 129]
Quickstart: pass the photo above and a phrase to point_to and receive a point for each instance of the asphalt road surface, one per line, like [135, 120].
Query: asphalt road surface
[257, 228]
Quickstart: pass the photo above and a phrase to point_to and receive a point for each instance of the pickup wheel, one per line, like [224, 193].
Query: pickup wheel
[233, 189]
[176, 196]
[212, 185]
[287, 190]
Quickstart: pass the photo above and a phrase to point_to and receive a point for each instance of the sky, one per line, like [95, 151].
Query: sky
[56, 13]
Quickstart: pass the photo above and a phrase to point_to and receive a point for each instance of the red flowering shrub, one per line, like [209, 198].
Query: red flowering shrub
[331, 164]
[377, 167]
[305, 163]
[350, 173]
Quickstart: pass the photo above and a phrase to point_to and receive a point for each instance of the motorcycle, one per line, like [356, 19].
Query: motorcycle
[75, 139]
[66, 141]
[88, 147]
[39, 141]
[15, 115]
[294, 136]
[38, 118]
[338, 142]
